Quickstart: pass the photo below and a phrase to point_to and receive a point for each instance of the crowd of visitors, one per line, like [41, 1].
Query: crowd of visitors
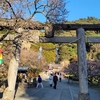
[53, 79]
[37, 81]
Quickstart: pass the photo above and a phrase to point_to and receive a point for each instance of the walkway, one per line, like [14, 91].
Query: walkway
[64, 91]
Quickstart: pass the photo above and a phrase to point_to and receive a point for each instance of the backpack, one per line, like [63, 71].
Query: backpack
[39, 79]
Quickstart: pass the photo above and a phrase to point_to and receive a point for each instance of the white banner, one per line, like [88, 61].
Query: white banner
[40, 53]
[57, 54]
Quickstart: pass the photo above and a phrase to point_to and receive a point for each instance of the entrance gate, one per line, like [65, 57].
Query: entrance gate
[81, 48]
[80, 39]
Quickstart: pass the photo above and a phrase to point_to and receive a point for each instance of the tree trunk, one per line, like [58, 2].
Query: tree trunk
[82, 64]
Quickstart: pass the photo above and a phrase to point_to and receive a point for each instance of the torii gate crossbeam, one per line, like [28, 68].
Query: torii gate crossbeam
[67, 39]
[76, 26]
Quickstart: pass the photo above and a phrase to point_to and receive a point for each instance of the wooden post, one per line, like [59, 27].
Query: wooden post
[82, 64]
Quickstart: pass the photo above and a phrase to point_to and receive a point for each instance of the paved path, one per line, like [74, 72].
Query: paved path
[64, 91]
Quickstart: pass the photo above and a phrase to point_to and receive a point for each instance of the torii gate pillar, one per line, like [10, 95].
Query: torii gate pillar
[82, 64]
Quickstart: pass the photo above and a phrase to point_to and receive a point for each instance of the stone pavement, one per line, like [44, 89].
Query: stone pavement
[64, 91]
[47, 93]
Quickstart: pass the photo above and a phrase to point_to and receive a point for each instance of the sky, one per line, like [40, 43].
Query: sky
[83, 8]
[79, 9]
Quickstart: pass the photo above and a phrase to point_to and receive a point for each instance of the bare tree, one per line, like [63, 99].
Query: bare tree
[53, 10]
[18, 15]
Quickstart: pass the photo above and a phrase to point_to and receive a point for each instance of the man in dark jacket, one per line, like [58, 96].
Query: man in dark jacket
[55, 79]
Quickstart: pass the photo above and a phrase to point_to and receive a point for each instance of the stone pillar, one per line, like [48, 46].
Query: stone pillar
[13, 68]
[12, 75]
[82, 64]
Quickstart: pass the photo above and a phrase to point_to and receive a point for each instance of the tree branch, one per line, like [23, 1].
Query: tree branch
[11, 8]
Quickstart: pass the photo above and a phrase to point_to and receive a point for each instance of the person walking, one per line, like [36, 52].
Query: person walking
[39, 82]
[55, 79]
[60, 77]
[50, 80]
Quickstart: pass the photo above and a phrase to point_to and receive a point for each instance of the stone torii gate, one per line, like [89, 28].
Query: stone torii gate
[80, 37]
[81, 49]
